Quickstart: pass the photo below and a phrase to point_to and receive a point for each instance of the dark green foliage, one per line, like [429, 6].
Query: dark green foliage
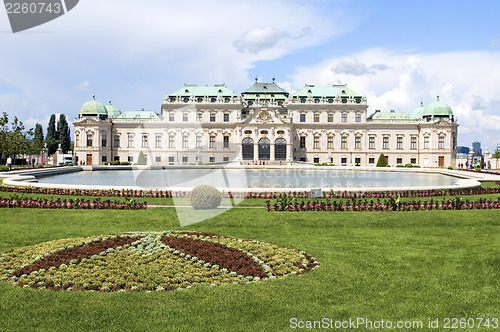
[51, 140]
[382, 162]
[37, 145]
[124, 163]
[3, 168]
[63, 134]
[205, 197]
[115, 163]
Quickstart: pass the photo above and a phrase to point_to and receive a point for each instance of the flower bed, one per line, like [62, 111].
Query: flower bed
[69, 204]
[149, 261]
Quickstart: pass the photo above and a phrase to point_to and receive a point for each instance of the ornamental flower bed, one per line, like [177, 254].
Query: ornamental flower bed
[153, 261]
[69, 204]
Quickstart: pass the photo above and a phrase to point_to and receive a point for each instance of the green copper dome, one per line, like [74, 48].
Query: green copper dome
[437, 109]
[93, 108]
[417, 112]
[113, 111]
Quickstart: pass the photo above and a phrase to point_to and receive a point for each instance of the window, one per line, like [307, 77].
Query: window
[399, 160]
[116, 142]
[185, 116]
[158, 159]
[371, 142]
[184, 159]
[130, 140]
[413, 143]
[198, 141]
[185, 143]
[426, 142]
[329, 142]
[371, 160]
[399, 143]
[302, 142]
[225, 159]
[104, 159]
[330, 117]
[130, 159]
[212, 142]
[77, 139]
[344, 117]
[441, 142]
[144, 141]
[158, 141]
[343, 142]
[316, 142]
[316, 160]
[116, 158]
[385, 142]
[226, 117]
[413, 160]
[212, 160]
[199, 116]
[343, 160]
[171, 116]
[357, 142]
[316, 117]
[358, 117]
[357, 161]
[104, 141]
[226, 142]
[302, 117]
[171, 141]
[171, 160]
[89, 139]
[247, 148]
[212, 117]
[280, 132]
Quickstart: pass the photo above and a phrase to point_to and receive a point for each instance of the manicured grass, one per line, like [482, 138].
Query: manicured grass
[377, 265]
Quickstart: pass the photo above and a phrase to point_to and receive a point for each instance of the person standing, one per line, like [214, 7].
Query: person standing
[9, 163]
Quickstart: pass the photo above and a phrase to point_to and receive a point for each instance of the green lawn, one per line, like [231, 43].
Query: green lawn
[376, 265]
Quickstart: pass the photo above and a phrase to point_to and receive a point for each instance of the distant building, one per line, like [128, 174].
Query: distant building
[476, 146]
[266, 124]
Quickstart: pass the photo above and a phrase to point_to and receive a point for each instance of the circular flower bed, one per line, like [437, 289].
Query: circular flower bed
[149, 261]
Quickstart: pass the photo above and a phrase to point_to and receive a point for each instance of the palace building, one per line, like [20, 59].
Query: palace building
[266, 124]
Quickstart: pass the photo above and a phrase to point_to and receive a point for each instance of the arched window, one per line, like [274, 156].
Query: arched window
[280, 149]
[247, 148]
[264, 149]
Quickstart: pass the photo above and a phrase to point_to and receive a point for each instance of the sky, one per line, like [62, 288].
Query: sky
[396, 53]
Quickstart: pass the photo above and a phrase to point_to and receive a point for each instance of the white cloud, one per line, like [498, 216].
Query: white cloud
[260, 38]
[467, 81]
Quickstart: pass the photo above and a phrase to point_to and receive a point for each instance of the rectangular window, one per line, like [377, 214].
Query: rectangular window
[399, 143]
[212, 160]
[413, 160]
[212, 142]
[171, 116]
[302, 142]
[116, 142]
[226, 117]
[158, 141]
[198, 141]
[357, 142]
[199, 116]
[130, 141]
[344, 117]
[358, 117]
[413, 143]
[399, 160]
[441, 142]
[104, 159]
[316, 160]
[89, 139]
[144, 141]
[371, 160]
[212, 117]
[385, 142]
[171, 141]
[316, 142]
[426, 142]
[343, 160]
[357, 161]
[226, 142]
[158, 159]
[171, 160]
[185, 143]
[185, 116]
[184, 159]
[104, 141]
[116, 158]
[130, 159]
[316, 117]
[225, 159]
[302, 117]
[343, 142]
[329, 142]
[330, 117]
[371, 142]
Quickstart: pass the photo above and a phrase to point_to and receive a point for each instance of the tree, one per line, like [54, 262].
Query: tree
[63, 134]
[140, 159]
[37, 143]
[497, 152]
[4, 121]
[382, 161]
[17, 140]
[51, 138]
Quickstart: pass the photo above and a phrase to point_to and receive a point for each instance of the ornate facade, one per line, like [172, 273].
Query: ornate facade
[266, 124]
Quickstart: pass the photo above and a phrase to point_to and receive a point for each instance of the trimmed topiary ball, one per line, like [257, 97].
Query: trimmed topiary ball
[205, 197]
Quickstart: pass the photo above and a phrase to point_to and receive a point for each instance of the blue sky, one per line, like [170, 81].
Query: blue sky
[397, 53]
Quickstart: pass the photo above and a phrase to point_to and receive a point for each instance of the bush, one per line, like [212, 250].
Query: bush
[450, 167]
[3, 168]
[69, 164]
[205, 197]
[115, 163]
[382, 162]
[39, 166]
[140, 159]
[124, 163]
[400, 165]
[409, 165]
[478, 169]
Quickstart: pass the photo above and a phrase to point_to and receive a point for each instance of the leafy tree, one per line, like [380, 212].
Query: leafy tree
[37, 143]
[52, 139]
[63, 134]
[497, 152]
[17, 140]
[382, 161]
[4, 121]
